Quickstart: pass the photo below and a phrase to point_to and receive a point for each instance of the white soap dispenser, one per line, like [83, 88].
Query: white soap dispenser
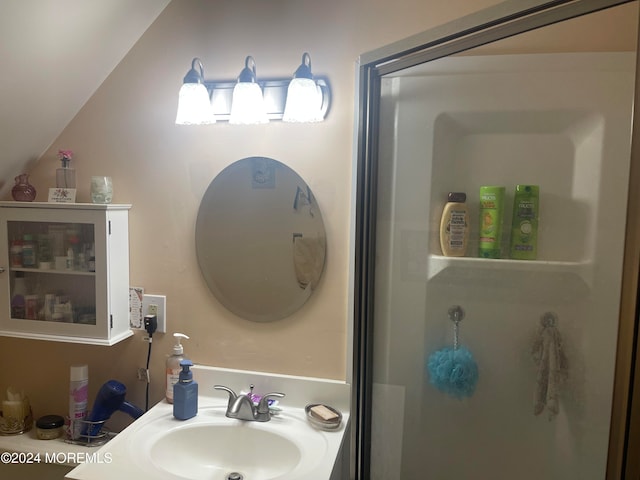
[173, 366]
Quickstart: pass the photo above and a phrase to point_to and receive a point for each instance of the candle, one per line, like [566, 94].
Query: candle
[13, 411]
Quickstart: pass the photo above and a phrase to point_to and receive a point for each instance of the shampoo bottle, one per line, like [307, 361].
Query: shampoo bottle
[454, 226]
[524, 228]
[173, 366]
[185, 393]
[78, 395]
[491, 213]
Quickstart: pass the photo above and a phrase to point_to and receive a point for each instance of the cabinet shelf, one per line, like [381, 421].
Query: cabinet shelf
[534, 276]
[53, 272]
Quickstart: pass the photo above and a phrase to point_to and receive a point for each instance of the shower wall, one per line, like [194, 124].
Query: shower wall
[560, 121]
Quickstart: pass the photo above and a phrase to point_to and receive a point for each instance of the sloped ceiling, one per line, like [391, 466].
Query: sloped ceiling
[54, 54]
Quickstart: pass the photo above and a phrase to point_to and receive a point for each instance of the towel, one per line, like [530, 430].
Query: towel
[552, 369]
[308, 260]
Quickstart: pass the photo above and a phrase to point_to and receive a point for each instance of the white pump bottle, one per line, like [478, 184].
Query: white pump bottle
[173, 366]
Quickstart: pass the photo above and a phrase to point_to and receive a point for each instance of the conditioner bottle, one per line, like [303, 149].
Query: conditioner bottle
[491, 216]
[524, 228]
[454, 226]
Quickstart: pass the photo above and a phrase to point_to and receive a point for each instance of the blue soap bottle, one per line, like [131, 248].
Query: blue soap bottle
[185, 393]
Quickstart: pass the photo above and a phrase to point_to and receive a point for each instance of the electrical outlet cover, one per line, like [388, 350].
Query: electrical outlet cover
[160, 301]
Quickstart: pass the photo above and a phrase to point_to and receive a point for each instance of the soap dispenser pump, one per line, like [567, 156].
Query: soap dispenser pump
[173, 366]
[185, 393]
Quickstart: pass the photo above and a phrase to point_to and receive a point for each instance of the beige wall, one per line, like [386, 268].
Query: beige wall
[127, 131]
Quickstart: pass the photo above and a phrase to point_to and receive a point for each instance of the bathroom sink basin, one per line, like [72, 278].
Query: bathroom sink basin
[213, 447]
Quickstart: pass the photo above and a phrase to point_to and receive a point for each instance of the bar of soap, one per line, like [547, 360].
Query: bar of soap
[323, 413]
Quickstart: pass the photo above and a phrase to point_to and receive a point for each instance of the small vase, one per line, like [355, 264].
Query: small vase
[23, 191]
[65, 177]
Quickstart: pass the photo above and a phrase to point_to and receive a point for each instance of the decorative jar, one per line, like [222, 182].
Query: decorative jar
[23, 191]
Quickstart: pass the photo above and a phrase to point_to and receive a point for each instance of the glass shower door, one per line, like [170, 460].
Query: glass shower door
[542, 333]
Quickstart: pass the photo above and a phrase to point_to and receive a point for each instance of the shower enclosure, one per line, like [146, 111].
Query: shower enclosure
[485, 101]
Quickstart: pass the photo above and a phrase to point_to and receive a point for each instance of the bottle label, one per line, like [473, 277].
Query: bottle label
[524, 229]
[78, 395]
[456, 229]
[16, 255]
[491, 211]
[489, 226]
[173, 376]
[526, 209]
[28, 256]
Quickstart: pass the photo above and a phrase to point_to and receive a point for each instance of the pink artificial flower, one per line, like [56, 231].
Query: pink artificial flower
[65, 154]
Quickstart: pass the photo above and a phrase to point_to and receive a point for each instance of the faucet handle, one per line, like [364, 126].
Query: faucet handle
[263, 405]
[232, 394]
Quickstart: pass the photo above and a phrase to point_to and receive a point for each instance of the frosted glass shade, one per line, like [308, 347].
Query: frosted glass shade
[194, 106]
[304, 101]
[247, 105]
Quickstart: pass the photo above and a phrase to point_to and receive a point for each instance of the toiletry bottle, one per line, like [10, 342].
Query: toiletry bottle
[16, 253]
[491, 213]
[91, 261]
[185, 393]
[524, 228]
[19, 291]
[70, 259]
[173, 366]
[29, 259]
[454, 226]
[78, 394]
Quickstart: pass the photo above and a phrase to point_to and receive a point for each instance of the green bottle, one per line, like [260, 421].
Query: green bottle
[524, 228]
[491, 215]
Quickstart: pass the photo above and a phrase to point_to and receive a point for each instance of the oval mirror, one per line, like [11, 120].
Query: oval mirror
[260, 239]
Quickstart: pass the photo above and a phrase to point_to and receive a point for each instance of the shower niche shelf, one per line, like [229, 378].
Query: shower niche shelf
[532, 275]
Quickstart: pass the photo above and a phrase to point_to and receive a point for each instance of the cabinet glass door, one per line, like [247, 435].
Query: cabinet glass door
[52, 271]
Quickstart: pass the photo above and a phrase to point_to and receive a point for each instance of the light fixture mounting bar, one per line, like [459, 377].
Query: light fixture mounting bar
[274, 92]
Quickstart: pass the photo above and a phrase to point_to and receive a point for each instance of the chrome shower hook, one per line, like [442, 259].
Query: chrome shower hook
[456, 314]
[549, 319]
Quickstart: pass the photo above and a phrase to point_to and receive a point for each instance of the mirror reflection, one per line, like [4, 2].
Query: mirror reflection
[260, 239]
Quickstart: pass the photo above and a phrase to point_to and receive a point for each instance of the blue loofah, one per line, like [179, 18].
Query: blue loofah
[453, 371]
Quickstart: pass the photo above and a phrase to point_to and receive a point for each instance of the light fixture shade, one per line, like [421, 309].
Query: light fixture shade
[304, 97]
[194, 105]
[247, 104]
[304, 101]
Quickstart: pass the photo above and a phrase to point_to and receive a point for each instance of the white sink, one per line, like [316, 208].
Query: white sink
[211, 446]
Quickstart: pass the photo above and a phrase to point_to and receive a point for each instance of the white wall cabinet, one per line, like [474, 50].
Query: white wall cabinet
[65, 272]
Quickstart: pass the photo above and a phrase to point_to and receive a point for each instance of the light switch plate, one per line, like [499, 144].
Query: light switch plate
[161, 302]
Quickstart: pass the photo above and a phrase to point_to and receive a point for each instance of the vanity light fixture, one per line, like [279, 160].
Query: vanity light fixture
[247, 104]
[194, 107]
[280, 97]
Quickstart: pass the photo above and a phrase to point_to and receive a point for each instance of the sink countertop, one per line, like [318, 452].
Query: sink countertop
[46, 451]
[299, 391]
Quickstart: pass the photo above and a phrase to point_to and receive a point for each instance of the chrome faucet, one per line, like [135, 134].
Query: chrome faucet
[241, 407]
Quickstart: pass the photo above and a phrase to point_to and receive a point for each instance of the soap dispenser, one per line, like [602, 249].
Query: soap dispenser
[185, 393]
[173, 366]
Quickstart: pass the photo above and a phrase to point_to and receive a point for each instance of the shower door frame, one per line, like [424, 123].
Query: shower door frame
[506, 19]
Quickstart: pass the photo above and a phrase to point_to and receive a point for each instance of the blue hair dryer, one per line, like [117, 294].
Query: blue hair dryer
[109, 399]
